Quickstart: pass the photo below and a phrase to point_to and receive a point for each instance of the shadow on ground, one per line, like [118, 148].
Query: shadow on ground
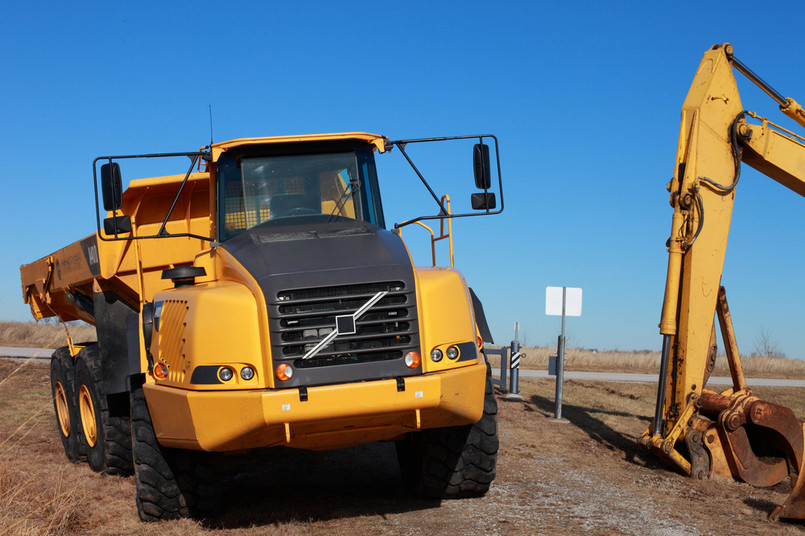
[293, 486]
[587, 420]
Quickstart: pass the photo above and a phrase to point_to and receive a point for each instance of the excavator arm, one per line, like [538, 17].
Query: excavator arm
[696, 430]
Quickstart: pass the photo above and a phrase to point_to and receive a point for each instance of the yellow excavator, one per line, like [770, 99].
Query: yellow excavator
[698, 431]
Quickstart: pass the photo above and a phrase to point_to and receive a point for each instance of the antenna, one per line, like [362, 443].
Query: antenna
[210, 105]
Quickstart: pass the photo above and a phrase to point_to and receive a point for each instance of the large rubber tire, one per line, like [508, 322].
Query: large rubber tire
[62, 378]
[105, 434]
[454, 462]
[171, 483]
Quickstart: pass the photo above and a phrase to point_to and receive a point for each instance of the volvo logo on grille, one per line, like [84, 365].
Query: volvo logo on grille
[345, 324]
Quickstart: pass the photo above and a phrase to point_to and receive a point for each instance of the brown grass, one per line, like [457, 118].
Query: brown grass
[43, 334]
[585, 476]
[646, 362]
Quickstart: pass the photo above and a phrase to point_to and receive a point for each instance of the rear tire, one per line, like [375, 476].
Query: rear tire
[171, 483]
[62, 378]
[106, 435]
[453, 462]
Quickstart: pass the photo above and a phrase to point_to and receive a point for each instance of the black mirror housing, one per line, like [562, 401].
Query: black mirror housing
[484, 201]
[480, 164]
[111, 186]
[117, 224]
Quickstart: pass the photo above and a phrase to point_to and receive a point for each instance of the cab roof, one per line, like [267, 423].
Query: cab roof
[375, 139]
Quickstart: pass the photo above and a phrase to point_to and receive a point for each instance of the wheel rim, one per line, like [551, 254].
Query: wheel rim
[88, 416]
[62, 409]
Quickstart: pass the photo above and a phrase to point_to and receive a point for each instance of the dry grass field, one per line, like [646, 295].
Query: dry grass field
[649, 363]
[585, 476]
[43, 334]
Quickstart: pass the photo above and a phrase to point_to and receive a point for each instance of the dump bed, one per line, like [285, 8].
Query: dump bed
[64, 283]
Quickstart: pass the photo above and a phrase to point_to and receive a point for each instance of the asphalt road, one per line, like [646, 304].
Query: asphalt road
[44, 353]
[652, 378]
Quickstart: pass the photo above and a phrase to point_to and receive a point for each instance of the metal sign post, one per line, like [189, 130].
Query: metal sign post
[565, 301]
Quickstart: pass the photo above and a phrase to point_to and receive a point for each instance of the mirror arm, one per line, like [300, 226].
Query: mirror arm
[162, 231]
[401, 147]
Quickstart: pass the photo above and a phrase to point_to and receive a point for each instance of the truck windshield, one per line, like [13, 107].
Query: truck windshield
[296, 189]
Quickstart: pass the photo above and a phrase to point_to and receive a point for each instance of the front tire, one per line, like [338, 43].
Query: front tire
[171, 483]
[453, 462]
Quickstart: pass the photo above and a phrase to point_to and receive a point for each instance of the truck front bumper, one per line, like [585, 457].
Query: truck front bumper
[333, 416]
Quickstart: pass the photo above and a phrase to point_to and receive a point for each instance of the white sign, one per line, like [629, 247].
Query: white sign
[553, 301]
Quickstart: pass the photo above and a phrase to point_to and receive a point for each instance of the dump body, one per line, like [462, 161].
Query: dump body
[259, 300]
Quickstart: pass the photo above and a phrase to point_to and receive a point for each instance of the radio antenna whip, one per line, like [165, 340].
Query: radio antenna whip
[210, 105]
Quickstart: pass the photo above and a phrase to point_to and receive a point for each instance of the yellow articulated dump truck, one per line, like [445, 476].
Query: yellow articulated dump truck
[258, 300]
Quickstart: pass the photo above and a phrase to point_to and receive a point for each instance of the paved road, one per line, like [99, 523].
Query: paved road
[569, 374]
[42, 353]
[652, 378]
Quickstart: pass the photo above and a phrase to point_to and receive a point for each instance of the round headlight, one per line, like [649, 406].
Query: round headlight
[247, 373]
[436, 355]
[452, 352]
[225, 374]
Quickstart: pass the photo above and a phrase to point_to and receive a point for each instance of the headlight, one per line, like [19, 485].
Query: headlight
[225, 374]
[436, 355]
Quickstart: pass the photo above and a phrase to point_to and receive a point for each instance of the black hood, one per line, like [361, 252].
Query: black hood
[311, 273]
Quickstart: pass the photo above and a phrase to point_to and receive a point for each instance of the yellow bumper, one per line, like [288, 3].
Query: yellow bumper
[334, 416]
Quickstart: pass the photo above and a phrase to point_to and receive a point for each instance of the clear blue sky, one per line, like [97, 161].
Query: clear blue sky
[584, 97]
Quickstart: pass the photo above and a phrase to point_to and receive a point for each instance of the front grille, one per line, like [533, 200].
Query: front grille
[303, 317]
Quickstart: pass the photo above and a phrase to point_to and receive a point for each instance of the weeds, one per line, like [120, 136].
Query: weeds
[33, 499]
[647, 362]
[43, 335]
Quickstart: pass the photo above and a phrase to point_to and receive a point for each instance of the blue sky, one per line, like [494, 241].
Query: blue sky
[583, 96]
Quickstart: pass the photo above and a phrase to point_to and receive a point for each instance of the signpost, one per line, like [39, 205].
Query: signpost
[564, 301]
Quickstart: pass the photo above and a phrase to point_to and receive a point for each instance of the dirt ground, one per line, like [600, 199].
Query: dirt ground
[581, 476]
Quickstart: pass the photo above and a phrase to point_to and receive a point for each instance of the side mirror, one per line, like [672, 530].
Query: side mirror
[483, 201]
[480, 163]
[112, 186]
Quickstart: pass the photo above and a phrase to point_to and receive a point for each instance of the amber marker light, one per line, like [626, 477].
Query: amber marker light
[284, 372]
[412, 359]
[161, 371]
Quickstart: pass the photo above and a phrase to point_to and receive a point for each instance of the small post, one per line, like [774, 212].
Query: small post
[514, 385]
[504, 367]
[514, 366]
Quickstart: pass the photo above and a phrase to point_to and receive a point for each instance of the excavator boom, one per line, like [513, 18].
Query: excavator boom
[698, 431]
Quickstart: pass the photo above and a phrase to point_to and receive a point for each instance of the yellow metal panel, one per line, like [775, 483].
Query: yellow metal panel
[445, 314]
[210, 325]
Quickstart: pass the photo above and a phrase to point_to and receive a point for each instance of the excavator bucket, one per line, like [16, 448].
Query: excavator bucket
[762, 442]
[793, 506]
